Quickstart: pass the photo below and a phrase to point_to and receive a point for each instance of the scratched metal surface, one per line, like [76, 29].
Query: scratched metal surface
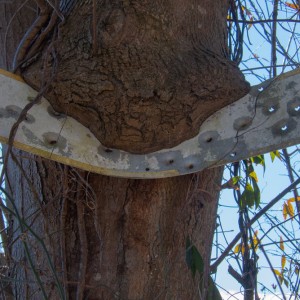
[264, 120]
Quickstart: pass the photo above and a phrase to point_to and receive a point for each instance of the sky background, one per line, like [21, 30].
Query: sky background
[256, 54]
[271, 183]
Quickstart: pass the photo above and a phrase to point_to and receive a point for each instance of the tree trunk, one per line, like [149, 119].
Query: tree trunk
[108, 237]
[141, 75]
[143, 78]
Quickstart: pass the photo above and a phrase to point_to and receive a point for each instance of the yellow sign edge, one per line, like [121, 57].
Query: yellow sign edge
[11, 75]
[88, 167]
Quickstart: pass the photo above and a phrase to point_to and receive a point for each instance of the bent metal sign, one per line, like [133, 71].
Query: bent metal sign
[264, 120]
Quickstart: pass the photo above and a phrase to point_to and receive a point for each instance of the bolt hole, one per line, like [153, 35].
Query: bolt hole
[147, 169]
[209, 140]
[108, 150]
[191, 166]
[271, 109]
[52, 142]
[284, 128]
[297, 108]
[171, 161]
[260, 89]
[244, 126]
[233, 154]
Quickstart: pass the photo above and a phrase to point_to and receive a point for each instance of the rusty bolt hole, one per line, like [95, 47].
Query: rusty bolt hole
[51, 138]
[209, 140]
[243, 126]
[29, 119]
[147, 169]
[52, 142]
[190, 166]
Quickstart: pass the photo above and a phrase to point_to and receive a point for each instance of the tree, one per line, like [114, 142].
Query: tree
[131, 72]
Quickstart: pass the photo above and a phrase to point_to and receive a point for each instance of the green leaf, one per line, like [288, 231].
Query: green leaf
[235, 179]
[197, 259]
[213, 292]
[256, 193]
[193, 258]
[247, 197]
[253, 176]
[286, 282]
[188, 253]
[259, 160]
[275, 154]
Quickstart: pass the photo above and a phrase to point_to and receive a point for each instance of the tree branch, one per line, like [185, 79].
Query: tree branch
[236, 275]
[214, 266]
[264, 21]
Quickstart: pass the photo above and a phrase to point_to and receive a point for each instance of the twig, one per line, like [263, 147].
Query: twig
[273, 271]
[30, 35]
[63, 215]
[6, 32]
[274, 38]
[291, 177]
[83, 248]
[55, 8]
[95, 46]
[32, 51]
[236, 275]
[214, 266]
[16, 125]
[263, 21]
[3, 234]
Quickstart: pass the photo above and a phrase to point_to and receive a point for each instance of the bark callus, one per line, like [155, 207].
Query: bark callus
[144, 76]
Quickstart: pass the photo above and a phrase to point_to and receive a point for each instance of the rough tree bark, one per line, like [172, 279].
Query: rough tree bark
[142, 75]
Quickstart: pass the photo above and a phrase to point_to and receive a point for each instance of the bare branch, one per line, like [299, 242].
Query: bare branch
[214, 266]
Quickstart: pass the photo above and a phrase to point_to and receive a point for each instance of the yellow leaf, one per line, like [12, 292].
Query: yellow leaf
[232, 183]
[237, 248]
[283, 261]
[254, 176]
[297, 270]
[243, 249]
[285, 210]
[281, 244]
[290, 209]
[292, 5]
[250, 25]
[277, 273]
[275, 154]
[255, 240]
[293, 199]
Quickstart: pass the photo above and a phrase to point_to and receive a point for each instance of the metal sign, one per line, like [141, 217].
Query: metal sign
[266, 119]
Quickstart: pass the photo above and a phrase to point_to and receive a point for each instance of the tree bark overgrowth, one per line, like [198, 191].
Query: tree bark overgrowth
[142, 75]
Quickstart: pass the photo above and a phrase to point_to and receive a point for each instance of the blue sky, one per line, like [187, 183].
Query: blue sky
[271, 183]
[257, 53]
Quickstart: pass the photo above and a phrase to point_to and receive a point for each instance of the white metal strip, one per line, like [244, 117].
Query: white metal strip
[264, 120]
